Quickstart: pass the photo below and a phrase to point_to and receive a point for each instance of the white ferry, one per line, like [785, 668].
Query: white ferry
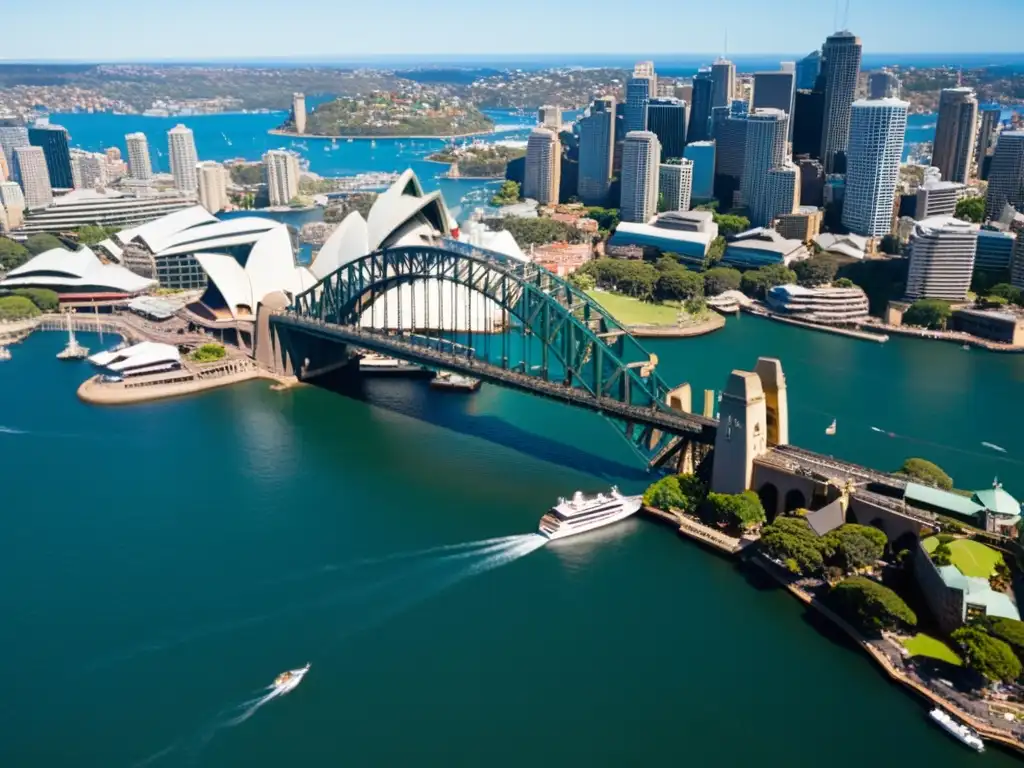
[582, 514]
[958, 731]
[381, 365]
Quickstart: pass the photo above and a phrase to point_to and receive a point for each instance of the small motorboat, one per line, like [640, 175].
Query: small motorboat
[831, 428]
[289, 681]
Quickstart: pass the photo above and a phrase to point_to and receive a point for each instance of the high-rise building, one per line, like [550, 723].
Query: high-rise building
[883, 85]
[543, 166]
[675, 185]
[807, 71]
[808, 115]
[840, 68]
[936, 198]
[991, 116]
[1017, 264]
[139, 165]
[941, 251]
[812, 182]
[550, 116]
[645, 69]
[88, 169]
[597, 150]
[723, 76]
[640, 167]
[775, 90]
[1006, 179]
[13, 134]
[684, 92]
[638, 95]
[35, 177]
[783, 196]
[667, 118]
[702, 155]
[765, 150]
[53, 139]
[877, 130]
[299, 112]
[213, 185]
[181, 148]
[700, 109]
[955, 134]
[995, 250]
[13, 201]
[282, 172]
[730, 156]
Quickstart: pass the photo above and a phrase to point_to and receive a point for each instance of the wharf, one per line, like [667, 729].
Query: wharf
[850, 332]
[702, 534]
[955, 337]
[713, 322]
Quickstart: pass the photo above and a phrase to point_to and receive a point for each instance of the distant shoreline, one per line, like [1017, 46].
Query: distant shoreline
[293, 135]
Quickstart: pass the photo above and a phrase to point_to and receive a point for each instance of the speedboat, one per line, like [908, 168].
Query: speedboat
[966, 736]
[581, 514]
[289, 681]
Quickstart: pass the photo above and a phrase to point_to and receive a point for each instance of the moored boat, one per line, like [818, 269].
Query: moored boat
[962, 733]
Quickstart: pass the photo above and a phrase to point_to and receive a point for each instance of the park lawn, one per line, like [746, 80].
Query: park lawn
[630, 311]
[971, 557]
[926, 645]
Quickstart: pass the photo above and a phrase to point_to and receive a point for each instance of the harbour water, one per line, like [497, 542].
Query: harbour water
[162, 563]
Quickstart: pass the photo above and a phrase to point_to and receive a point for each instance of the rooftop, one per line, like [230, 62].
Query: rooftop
[888, 103]
[997, 500]
[936, 497]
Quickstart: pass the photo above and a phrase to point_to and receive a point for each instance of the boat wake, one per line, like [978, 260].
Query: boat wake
[11, 431]
[995, 447]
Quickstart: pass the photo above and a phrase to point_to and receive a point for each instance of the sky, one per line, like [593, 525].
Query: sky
[346, 30]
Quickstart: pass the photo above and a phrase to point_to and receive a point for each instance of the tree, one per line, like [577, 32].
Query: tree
[729, 224]
[1001, 579]
[1010, 631]
[971, 209]
[791, 540]
[720, 279]
[927, 472]
[637, 279]
[507, 194]
[12, 254]
[583, 280]
[208, 353]
[757, 282]
[989, 656]
[45, 299]
[928, 313]
[870, 605]
[715, 252]
[39, 243]
[738, 510]
[942, 555]
[683, 492]
[17, 308]
[606, 218]
[856, 546]
[677, 282]
[529, 232]
[817, 270]
[1006, 291]
[844, 282]
[91, 234]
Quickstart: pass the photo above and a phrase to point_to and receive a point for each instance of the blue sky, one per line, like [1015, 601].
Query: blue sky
[119, 30]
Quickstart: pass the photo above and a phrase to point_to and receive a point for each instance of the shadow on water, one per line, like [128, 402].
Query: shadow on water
[448, 411]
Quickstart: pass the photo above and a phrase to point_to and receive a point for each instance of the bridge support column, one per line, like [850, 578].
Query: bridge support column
[742, 433]
[679, 399]
[773, 382]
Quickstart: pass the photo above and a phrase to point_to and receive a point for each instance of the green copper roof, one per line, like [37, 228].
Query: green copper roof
[934, 497]
[997, 500]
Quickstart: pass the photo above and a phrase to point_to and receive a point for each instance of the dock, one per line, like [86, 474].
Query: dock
[691, 528]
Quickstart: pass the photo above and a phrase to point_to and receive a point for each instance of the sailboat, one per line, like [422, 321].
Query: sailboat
[831, 428]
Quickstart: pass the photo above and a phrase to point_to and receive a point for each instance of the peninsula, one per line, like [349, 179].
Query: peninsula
[481, 161]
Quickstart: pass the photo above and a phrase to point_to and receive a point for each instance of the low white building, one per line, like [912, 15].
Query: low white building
[139, 359]
[828, 305]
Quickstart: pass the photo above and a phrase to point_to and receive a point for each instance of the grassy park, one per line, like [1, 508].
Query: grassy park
[971, 557]
[630, 311]
[926, 645]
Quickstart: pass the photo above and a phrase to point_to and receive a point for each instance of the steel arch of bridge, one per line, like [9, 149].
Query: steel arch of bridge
[582, 346]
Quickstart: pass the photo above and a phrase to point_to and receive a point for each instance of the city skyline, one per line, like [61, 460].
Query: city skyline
[194, 32]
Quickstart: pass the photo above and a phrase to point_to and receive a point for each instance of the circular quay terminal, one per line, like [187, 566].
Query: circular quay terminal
[666, 375]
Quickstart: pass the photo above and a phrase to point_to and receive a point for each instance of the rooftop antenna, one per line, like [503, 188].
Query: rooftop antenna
[846, 15]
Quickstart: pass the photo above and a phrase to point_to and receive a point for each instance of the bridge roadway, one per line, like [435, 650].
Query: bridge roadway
[693, 426]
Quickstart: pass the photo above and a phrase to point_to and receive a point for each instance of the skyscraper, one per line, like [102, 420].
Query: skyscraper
[597, 150]
[282, 171]
[550, 116]
[723, 75]
[702, 154]
[213, 185]
[13, 201]
[808, 115]
[640, 153]
[667, 118]
[941, 252]
[700, 111]
[840, 67]
[181, 147]
[765, 150]
[675, 185]
[877, 130]
[775, 90]
[543, 166]
[990, 119]
[299, 111]
[88, 169]
[783, 197]
[807, 71]
[35, 177]
[883, 85]
[730, 156]
[13, 134]
[955, 134]
[53, 140]
[1006, 179]
[638, 95]
[139, 165]
[645, 69]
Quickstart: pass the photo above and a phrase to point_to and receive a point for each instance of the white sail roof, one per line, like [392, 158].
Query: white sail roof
[155, 234]
[60, 268]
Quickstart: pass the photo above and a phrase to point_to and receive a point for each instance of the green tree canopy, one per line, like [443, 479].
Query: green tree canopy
[729, 224]
[676, 281]
[92, 234]
[871, 605]
[12, 254]
[791, 540]
[971, 209]
[715, 252]
[585, 281]
[683, 492]
[817, 270]
[844, 282]
[529, 232]
[942, 555]
[17, 308]
[606, 218]
[507, 194]
[989, 656]
[1008, 292]
[37, 244]
[855, 546]
[720, 279]
[208, 353]
[738, 510]
[928, 313]
[1010, 631]
[757, 282]
[927, 472]
[45, 299]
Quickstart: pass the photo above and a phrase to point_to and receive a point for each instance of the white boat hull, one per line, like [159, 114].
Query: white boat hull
[292, 682]
[630, 505]
[958, 731]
